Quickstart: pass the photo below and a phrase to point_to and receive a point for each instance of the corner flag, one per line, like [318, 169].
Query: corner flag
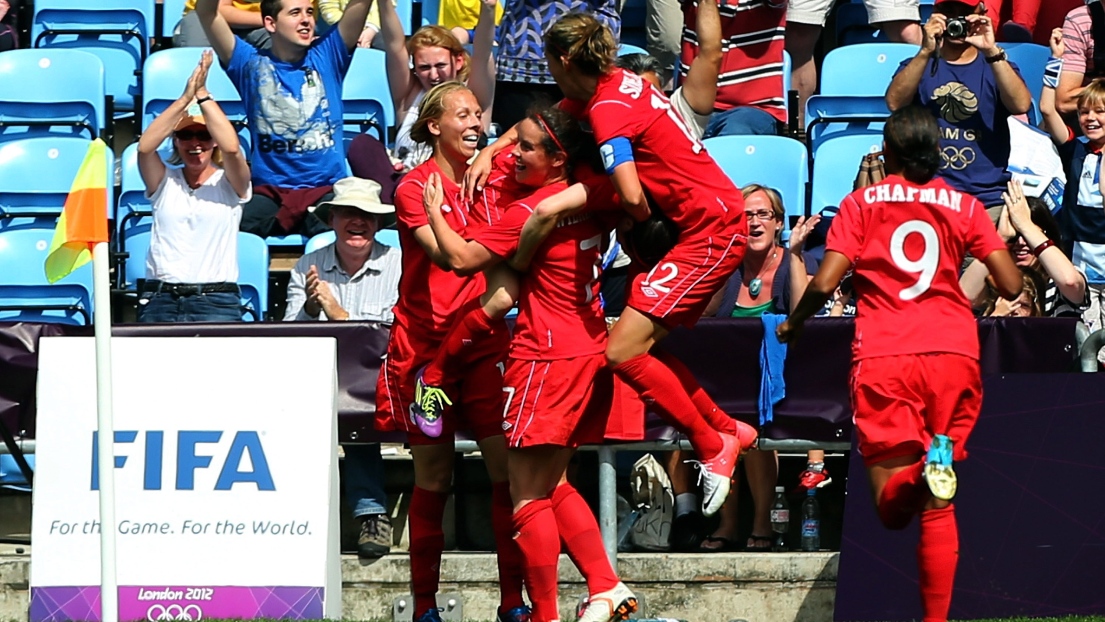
[83, 220]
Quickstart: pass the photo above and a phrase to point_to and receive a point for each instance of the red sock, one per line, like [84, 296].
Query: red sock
[659, 386]
[937, 557]
[506, 549]
[449, 362]
[427, 542]
[581, 536]
[903, 496]
[539, 542]
[715, 416]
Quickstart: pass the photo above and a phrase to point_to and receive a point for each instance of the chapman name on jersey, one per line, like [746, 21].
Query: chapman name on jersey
[898, 193]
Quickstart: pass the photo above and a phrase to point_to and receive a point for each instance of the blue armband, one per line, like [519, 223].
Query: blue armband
[1052, 69]
[615, 152]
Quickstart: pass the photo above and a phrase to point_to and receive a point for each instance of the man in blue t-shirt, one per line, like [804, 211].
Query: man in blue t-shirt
[971, 87]
[292, 97]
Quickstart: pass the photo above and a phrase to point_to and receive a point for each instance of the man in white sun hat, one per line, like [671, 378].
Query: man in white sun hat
[355, 278]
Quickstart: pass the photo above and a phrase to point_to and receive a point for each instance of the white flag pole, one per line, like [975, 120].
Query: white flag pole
[101, 294]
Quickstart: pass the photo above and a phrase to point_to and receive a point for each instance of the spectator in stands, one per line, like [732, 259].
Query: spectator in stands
[292, 95]
[192, 265]
[332, 10]
[9, 36]
[748, 69]
[462, 17]
[243, 16]
[1032, 235]
[1017, 18]
[663, 34]
[806, 18]
[1080, 63]
[357, 279]
[522, 72]
[769, 280]
[971, 88]
[1025, 305]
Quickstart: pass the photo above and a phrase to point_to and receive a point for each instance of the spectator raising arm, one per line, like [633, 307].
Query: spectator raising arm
[1053, 122]
[353, 20]
[1075, 57]
[799, 275]
[1011, 87]
[700, 85]
[400, 78]
[903, 88]
[238, 18]
[482, 77]
[216, 28]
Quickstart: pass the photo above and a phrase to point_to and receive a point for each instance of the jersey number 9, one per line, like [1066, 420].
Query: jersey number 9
[925, 266]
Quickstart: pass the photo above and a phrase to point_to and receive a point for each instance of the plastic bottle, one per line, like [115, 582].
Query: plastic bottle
[811, 522]
[780, 520]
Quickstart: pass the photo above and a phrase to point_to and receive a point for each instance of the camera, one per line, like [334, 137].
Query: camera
[957, 28]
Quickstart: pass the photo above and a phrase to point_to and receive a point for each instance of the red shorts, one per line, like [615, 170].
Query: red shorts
[477, 396]
[676, 291]
[565, 402]
[900, 402]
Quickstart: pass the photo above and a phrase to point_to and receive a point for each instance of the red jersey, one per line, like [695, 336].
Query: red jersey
[500, 190]
[672, 164]
[559, 313]
[428, 295]
[907, 243]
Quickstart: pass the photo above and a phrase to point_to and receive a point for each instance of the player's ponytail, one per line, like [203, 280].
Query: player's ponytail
[584, 41]
[912, 144]
[433, 108]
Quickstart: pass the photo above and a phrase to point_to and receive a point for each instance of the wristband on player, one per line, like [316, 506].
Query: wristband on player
[1043, 246]
[1052, 70]
[615, 152]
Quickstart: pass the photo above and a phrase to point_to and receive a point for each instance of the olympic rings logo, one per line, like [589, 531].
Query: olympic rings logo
[957, 159]
[170, 613]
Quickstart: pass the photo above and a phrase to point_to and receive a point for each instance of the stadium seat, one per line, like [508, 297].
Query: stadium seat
[253, 276]
[626, 49]
[775, 161]
[67, 98]
[405, 9]
[165, 74]
[1030, 59]
[389, 237]
[135, 242]
[172, 12]
[365, 97]
[36, 175]
[321, 240]
[118, 31]
[134, 208]
[25, 295]
[431, 12]
[10, 476]
[835, 166]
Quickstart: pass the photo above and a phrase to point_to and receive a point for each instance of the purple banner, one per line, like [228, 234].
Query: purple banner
[1030, 511]
[178, 603]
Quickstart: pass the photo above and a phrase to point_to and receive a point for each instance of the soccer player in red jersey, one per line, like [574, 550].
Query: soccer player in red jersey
[429, 298]
[558, 394]
[647, 146]
[916, 392]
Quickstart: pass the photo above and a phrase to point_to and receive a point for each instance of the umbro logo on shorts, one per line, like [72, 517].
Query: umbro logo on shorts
[648, 291]
[506, 426]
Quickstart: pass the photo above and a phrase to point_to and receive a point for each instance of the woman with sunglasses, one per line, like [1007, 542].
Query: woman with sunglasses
[192, 264]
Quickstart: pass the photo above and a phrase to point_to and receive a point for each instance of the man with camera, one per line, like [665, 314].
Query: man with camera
[967, 82]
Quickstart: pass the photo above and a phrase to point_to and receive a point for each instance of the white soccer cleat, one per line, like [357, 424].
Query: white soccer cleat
[614, 604]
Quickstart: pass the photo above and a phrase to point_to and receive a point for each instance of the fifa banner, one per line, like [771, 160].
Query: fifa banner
[226, 480]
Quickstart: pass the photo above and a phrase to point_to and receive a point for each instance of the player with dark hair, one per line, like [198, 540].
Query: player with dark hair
[916, 393]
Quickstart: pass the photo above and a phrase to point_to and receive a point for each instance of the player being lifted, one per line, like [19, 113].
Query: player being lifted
[916, 392]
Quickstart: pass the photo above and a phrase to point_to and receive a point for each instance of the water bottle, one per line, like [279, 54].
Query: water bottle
[780, 520]
[811, 522]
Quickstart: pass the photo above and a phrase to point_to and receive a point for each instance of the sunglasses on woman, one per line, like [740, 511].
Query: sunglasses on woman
[202, 135]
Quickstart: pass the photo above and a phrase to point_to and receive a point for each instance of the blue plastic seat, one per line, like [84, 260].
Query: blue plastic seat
[25, 295]
[366, 99]
[775, 161]
[321, 240]
[172, 12]
[118, 31]
[1031, 60]
[36, 175]
[625, 49]
[835, 165]
[67, 98]
[133, 209]
[389, 237]
[253, 276]
[135, 242]
[11, 477]
[165, 74]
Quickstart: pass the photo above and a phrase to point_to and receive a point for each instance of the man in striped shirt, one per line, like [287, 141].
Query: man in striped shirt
[750, 97]
[1078, 66]
[355, 278]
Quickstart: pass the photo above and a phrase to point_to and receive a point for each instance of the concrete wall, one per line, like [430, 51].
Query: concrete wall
[796, 587]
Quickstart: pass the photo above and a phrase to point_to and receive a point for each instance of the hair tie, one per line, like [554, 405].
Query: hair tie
[548, 130]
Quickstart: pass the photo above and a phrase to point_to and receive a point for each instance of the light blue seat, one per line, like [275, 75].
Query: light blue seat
[835, 166]
[431, 12]
[25, 295]
[36, 175]
[625, 49]
[366, 100]
[165, 74]
[135, 242]
[776, 161]
[67, 98]
[11, 477]
[118, 31]
[253, 276]
[133, 208]
[172, 12]
[389, 237]
[1031, 60]
[326, 238]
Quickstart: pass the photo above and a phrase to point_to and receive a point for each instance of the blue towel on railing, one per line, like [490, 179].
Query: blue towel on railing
[773, 356]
